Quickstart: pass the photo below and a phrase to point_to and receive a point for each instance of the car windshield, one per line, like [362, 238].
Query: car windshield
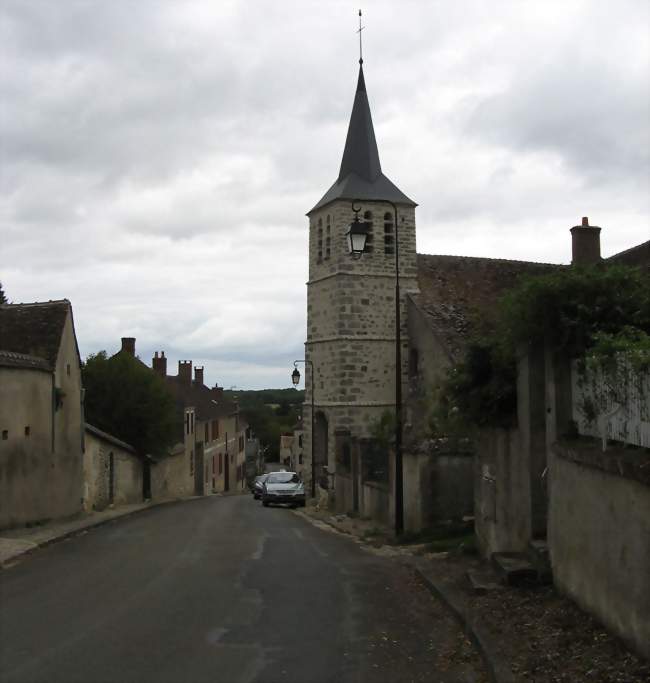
[283, 478]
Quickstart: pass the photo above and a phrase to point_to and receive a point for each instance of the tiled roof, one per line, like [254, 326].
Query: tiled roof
[635, 256]
[454, 289]
[11, 359]
[34, 329]
[200, 397]
[109, 437]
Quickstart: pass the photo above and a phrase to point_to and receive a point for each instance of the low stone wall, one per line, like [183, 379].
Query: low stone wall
[171, 478]
[438, 482]
[104, 457]
[599, 534]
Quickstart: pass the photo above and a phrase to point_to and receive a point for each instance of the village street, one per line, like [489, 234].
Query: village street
[221, 589]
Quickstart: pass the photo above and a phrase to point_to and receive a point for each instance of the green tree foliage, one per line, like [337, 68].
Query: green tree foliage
[270, 413]
[603, 310]
[128, 400]
[3, 298]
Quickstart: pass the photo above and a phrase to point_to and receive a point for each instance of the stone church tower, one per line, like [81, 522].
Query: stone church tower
[351, 303]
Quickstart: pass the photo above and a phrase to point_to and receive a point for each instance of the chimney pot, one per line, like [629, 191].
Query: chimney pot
[585, 222]
[198, 375]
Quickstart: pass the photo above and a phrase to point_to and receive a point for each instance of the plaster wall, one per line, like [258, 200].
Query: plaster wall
[65, 483]
[502, 493]
[599, 544]
[26, 461]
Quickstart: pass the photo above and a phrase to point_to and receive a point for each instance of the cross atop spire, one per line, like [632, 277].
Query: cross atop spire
[360, 41]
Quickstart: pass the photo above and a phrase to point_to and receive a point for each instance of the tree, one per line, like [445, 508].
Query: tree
[3, 298]
[128, 400]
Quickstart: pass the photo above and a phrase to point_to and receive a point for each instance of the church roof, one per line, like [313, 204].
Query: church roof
[360, 176]
[455, 289]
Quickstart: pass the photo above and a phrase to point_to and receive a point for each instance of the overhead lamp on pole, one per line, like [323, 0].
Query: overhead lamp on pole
[357, 234]
[295, 379]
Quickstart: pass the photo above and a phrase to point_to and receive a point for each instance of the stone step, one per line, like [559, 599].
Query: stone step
[514, 569]
[483, 580]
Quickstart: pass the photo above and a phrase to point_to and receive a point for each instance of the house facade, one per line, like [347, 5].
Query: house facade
[41, 413]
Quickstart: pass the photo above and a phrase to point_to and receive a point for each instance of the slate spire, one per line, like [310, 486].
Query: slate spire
[360, 155]
[360, 176]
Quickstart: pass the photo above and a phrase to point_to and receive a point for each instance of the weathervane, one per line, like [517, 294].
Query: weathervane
[360, 43]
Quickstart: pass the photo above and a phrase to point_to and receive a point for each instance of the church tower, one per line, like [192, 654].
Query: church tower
[351, 338]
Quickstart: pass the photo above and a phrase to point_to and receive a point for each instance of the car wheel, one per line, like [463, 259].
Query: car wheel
[303, 504]
[265, 503]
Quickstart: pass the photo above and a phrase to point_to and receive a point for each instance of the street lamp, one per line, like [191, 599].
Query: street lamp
[357, 234]
[295, 378]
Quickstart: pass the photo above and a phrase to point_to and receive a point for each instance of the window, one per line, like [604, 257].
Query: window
[220, 463]
[27, 431]
[192, 423]
[319, 258]
[191, 462]
[367, 217]
[215, 429]
[207, 432]
[5, 434]
[328, 238]
[389, 234]
[413, 362]
[187, 423]
[67, 369]
[300, 441]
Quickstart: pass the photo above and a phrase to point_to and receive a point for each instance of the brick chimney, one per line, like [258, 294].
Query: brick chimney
[198, 375]
[585, 244]
[128, 345]
[217, 392]
[159, 364]
[185, 371]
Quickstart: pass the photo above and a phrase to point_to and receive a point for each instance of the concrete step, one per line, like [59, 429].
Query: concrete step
[514, 569]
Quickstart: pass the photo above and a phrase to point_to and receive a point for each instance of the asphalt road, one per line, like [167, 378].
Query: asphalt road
[222, 590]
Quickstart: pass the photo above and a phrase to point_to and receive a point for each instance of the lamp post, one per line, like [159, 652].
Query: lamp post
[356, 236]
[295, 378]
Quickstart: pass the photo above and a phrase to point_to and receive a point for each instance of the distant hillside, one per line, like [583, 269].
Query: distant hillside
[270, 413]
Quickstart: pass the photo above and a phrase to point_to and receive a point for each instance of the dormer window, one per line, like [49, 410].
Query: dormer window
[367, 219]
[389, 234]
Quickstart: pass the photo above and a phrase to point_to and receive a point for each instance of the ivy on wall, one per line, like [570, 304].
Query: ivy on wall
[602, 310]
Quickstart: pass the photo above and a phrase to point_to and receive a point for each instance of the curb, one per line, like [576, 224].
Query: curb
[10, 561]
[497, 669]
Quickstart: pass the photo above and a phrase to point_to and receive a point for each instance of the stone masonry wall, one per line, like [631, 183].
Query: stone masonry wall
[351, 320]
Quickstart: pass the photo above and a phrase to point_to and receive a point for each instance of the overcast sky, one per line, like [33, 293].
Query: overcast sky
[158, 157]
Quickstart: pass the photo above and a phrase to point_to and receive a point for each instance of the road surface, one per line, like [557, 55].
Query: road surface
[222, 590]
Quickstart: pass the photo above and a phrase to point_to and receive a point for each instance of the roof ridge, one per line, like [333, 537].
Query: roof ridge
[490, 258]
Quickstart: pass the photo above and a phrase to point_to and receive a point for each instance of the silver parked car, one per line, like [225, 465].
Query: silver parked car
[283, 487]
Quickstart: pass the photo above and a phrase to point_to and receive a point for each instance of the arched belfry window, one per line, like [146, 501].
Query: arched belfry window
[389, 234]
[367, 218]
[319, 258]
[328, 238]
